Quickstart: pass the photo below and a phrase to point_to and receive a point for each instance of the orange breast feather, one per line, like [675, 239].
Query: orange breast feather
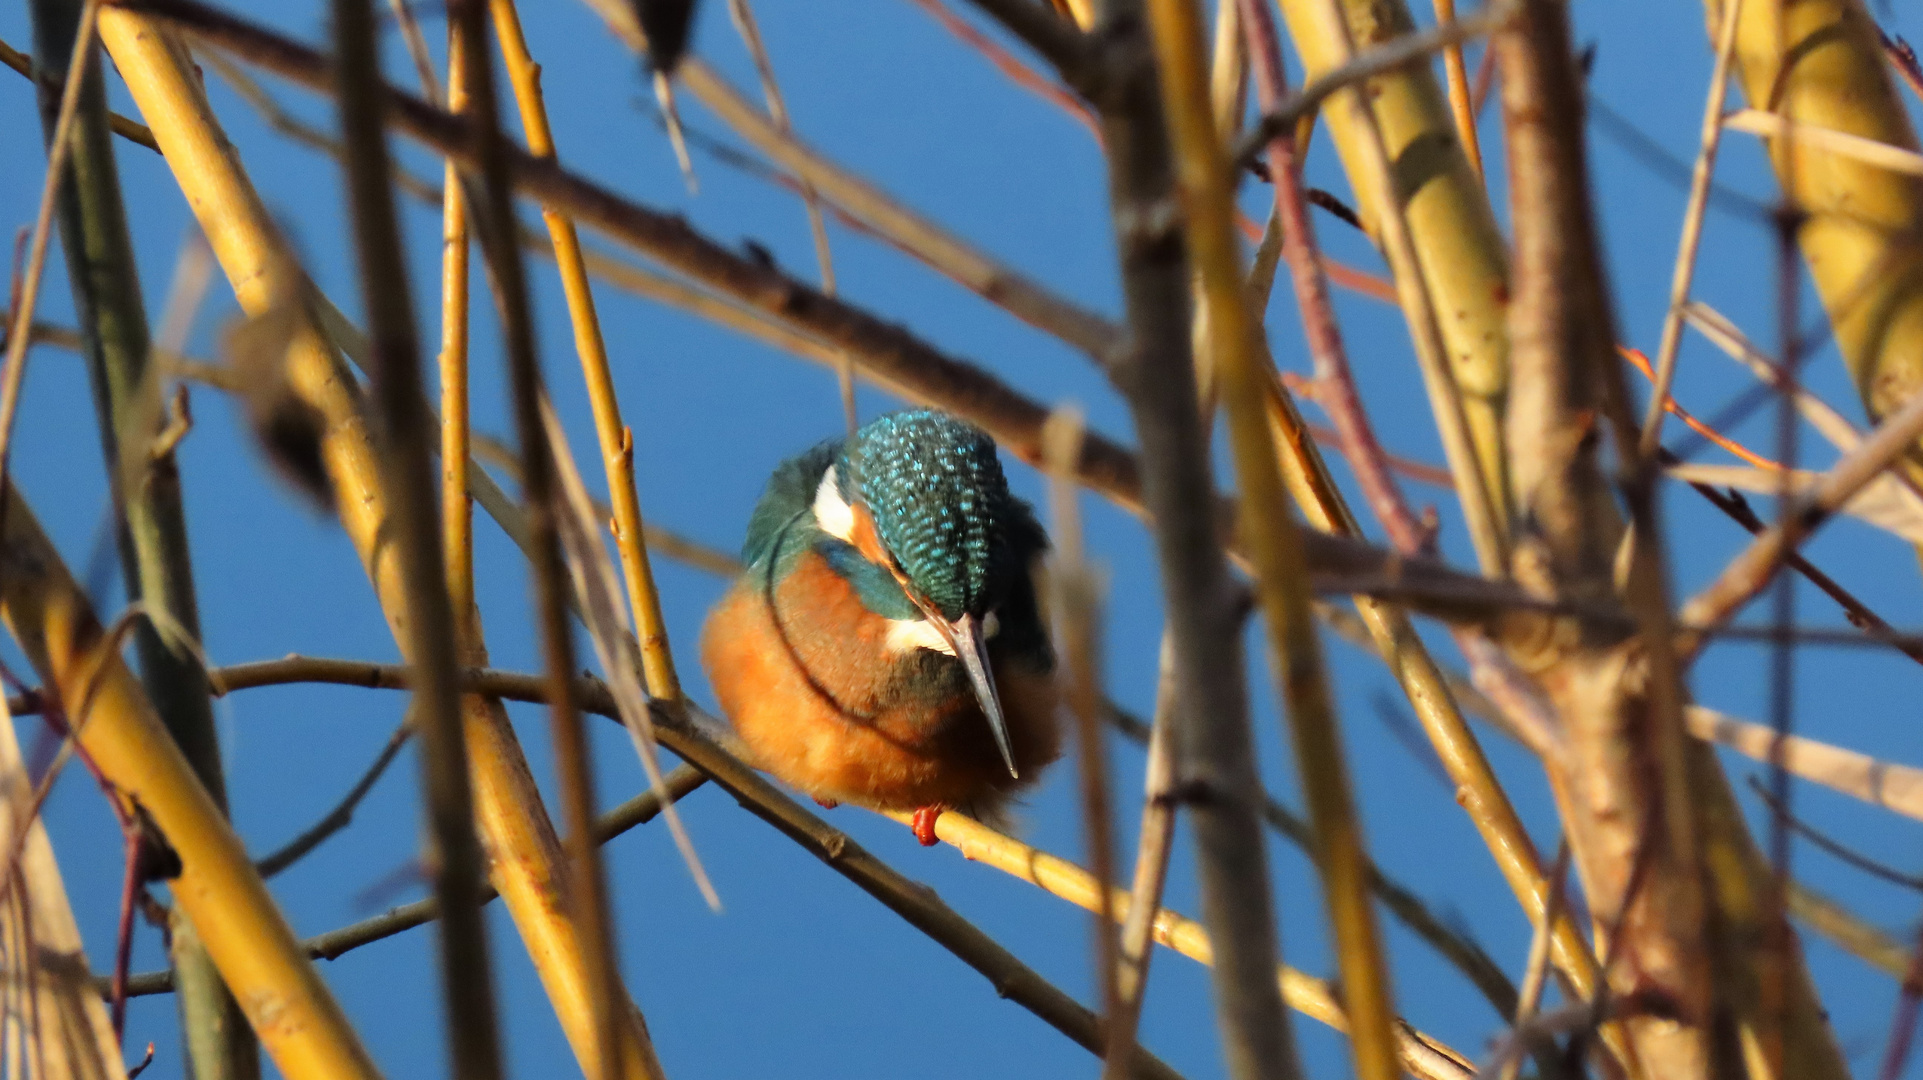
[810, 686]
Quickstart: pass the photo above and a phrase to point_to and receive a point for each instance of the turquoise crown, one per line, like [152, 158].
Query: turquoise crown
[935, 489]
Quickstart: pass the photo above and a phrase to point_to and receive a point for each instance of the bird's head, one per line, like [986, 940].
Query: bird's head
[922, 495]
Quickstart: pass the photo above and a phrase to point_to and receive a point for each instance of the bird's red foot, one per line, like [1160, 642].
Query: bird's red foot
[924, 825]
[826, 804]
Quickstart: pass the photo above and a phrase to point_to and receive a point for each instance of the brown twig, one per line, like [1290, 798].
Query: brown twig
[453, 851]
[334, 944]
[1077, 629]
[586, 896]
[1826, 842]
[131, 130]
[1692, 233]
[742, 13]
[59, 146]
[1135, 947]
[341, 815]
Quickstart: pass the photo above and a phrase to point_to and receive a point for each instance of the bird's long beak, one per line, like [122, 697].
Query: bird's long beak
[971, 648]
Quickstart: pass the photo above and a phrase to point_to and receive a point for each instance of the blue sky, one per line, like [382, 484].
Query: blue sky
[802, 975]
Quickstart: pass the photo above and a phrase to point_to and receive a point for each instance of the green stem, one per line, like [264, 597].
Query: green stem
[151, 529]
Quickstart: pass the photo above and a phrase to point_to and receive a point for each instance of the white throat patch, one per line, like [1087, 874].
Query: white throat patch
[906, 634]
[832, 512]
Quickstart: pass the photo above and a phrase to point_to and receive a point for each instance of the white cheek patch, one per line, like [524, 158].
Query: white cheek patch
[832, 512]
[905, 635]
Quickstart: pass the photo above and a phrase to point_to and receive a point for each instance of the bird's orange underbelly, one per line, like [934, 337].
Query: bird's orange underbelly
[796, 718]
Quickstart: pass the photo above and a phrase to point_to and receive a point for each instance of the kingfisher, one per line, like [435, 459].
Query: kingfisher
[884, 645]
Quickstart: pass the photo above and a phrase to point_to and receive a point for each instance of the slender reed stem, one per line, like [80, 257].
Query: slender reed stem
[586, 895]
[617, 441]
[146, 485]
[1271, 534]
[1078, 626]
[453, 852]
[457, 508]
[59, 146]
[1457, 73]
[742, 13]
[1391, 631]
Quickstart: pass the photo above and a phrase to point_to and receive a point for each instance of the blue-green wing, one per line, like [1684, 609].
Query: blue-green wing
[790, 495]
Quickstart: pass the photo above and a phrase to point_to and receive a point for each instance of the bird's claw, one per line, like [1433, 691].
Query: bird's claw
[826, 804]
[924, 825]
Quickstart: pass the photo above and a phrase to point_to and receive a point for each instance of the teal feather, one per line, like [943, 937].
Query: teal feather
[941, 505]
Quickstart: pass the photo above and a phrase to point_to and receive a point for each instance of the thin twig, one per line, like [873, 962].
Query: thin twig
[332, 945]
[1397, 53]
[1077, 628]
[341, 815]
[1692, 232]
[1460, 105]
[59, 147]
[1833, 846]
[1771, 125]
[416, 48]
[1135, 946]
[1536, 972]
[743, 16]
[131, 130]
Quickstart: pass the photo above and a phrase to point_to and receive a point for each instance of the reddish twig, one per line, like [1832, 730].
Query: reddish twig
[131, 881]
[1018, 73]
[1641, 363]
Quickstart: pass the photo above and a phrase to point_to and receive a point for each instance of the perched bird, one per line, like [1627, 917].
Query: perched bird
[884, 647]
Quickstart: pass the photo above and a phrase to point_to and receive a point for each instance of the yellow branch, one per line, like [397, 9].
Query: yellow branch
[527, 865]
[1860, 234]
[68, 1032]
[1461, 255]
[1270, 533]
[298, 1021]
[1306, 994]
[457, 511]
[617, 442]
